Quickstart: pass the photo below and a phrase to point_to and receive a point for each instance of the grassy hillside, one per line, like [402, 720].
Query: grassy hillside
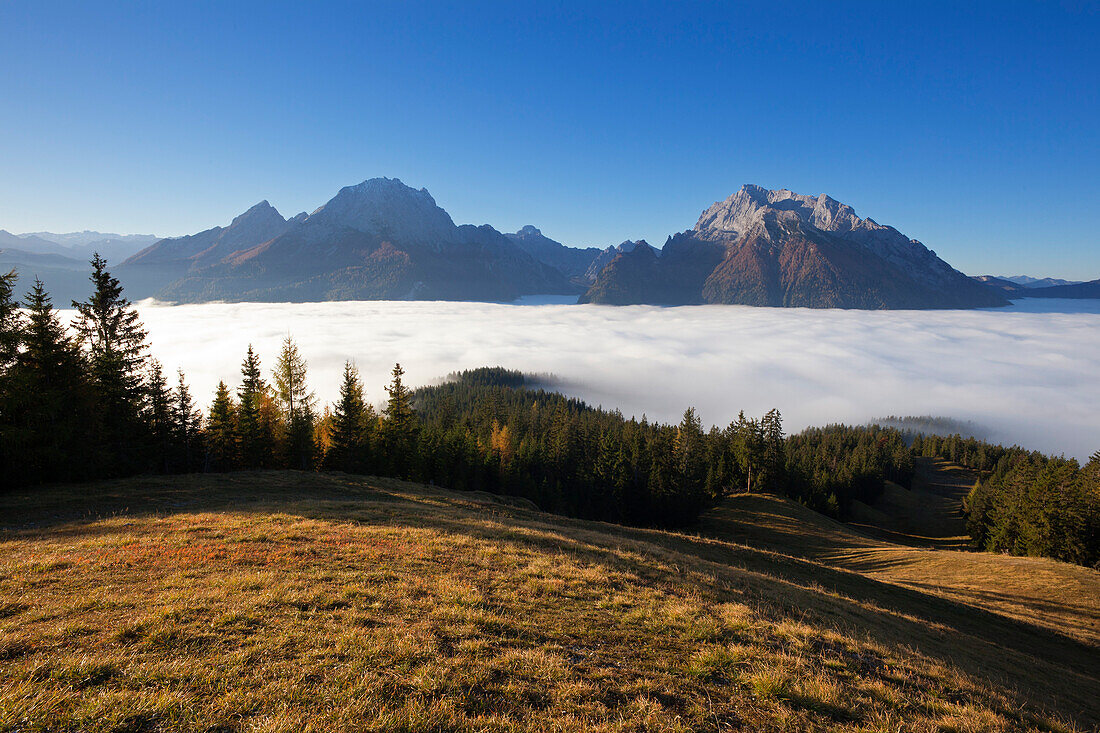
[305, 602]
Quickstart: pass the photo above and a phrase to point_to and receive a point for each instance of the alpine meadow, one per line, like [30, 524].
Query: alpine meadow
[768, 401]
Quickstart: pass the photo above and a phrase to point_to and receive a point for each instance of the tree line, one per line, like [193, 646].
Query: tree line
[1025, 502]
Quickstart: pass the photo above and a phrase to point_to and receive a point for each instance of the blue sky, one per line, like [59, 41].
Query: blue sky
[974, 129]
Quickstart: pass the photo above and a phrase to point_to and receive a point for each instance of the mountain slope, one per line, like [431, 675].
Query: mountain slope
[65, 278]
[293, 601]
[779, 248]
[1090, 289]
[1009, 287]
[377, 240]
[573, 262]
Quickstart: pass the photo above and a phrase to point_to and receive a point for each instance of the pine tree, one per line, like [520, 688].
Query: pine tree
[113, 340]
[351, 422]
[257, 431]
[187, 422]
[399, 426]
[747, 444]
[50, 410]
[221, 432]
[11, 323]
[689, 452]
[298, 406]
[11, 340]
[773, 459]
[160, 418]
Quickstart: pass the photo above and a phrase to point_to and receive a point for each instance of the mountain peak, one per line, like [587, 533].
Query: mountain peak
[261, 214]
[529, 231]
[746, 208]
[388, 208]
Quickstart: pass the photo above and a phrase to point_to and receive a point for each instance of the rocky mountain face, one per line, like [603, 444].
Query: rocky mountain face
[778, 248]
[605, 256]
[377, 240]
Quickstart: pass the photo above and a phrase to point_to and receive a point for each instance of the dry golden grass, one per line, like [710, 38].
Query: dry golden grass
[303, 602]
[1057, 596]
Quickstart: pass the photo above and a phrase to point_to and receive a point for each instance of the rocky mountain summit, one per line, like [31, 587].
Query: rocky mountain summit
[778, 248]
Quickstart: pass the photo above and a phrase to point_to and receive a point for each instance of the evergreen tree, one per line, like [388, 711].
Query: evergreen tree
[113, 340]
[773, 457]
[11, 340]
[257, 429]
[690, 454]
[187, 422]
[747, 444]
[221, 432]
[11, 323]
[298, 406]
[49, 412]
[350, 426]
[399, 426]
[160, 418]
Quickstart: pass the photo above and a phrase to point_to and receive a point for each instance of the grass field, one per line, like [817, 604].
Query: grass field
[303, 602]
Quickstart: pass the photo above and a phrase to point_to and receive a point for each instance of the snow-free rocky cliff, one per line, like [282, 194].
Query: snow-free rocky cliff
[780, 248]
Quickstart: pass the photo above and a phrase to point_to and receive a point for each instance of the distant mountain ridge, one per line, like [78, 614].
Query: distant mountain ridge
[79, 245]
[778, 248]
[1039, 282]
[379, 239]
[573, 262]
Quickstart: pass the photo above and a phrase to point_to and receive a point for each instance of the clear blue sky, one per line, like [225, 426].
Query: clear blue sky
[975, 130]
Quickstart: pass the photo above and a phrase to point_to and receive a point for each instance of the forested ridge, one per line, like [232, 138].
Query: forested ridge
[89, 401]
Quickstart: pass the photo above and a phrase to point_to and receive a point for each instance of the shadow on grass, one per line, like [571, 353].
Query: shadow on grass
[1039, 664]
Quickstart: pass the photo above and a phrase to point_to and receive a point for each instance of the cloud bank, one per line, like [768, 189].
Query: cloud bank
[1034, 378]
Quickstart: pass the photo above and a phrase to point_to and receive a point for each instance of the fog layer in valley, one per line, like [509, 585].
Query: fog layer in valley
[1031, 377]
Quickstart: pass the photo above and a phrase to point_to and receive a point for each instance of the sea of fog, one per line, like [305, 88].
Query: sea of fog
[1028, 374]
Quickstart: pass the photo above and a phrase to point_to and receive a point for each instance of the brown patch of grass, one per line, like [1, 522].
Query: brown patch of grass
[380, 605]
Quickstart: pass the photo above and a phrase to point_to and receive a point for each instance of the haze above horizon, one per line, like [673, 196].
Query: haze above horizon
[971, 129]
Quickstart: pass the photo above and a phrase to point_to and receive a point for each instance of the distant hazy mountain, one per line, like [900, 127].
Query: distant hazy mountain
[1039, 282]
[573, 262]
[81, 245]
[65, 278]
[378, 240]
[779, 248]
[1036, 287]
[1079, 290]
[1013, 289]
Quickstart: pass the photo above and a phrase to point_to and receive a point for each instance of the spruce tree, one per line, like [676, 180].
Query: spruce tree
[257, 431]
[50, 410]
[298, 406]
[747, 445]
[350, 426]
[690, 453]
[11, 340]
[221, 432]
[773, 459]
[113, 340]
[11, 322]
[160, 418]
[399, 426]
[187, 422]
